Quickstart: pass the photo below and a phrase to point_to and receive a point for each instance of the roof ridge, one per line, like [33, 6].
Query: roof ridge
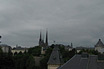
[99, 44]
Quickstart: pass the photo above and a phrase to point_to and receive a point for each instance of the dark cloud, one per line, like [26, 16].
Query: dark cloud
[77, 21]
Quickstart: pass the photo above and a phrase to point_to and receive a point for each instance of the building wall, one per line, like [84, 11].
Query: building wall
[42, 50]
[78, 51]
[70, 49]
[13, 51]
[99, 49]
[5, 49]
[53, 66]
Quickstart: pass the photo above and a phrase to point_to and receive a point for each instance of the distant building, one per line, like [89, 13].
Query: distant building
[84, 61]
[19, 49]
[78, 49]
[55, 59]
[5, 48]
[43, 44]
[69, 48]
[99, 46]
[0, 39]
[41, 40]
[43, 49]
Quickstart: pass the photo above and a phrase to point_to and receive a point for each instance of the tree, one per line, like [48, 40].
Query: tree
[30, 64]
[1, 51]
[43, 62]
[66, 55]
[6, 61]
[24, 61]
[35, 51]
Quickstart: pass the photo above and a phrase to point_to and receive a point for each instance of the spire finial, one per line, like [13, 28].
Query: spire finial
[99, 39]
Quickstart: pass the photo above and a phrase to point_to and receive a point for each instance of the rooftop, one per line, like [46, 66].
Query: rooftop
[99, 44]
[55, 57]
[4, 45]
[78, 62]
[19, 48]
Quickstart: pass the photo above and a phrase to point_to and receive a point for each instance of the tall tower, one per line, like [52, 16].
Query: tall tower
[40, 39]
[46, 38]
[71, 44]
[0, 39]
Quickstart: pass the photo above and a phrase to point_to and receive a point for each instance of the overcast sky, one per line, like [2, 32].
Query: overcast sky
[78, 21]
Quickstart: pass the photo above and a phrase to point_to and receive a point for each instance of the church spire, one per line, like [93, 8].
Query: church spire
[71, 44]
[40, 36]
[43, 38]
[0, 39]
[40, 39]
[46, 38]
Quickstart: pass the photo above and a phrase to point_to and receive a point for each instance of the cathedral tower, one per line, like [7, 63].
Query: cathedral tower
[41, 39]
[0, 39]
[46, 38]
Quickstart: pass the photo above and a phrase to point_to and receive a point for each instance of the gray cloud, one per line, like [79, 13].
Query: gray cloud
[77, 21]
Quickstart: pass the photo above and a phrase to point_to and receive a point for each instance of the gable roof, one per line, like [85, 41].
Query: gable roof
[77, 62]
[4, 45]
[99, 44]
[55, 57]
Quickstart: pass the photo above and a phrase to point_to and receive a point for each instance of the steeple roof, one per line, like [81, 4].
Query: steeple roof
[99, 44]
[55, 57]
[40, 36]
[46, 38]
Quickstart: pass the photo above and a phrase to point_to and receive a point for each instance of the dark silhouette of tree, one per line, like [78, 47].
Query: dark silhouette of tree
[15, 53]
[0, 50]
[6, 61]
[35, 51]
[43, 62]
[24, 61]
[66, 55]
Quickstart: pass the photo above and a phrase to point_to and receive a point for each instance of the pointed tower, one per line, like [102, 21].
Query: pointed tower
[55, 59]
[71, 44]
[0, 39]
[46, 38]
[99, 46]
[40, 39]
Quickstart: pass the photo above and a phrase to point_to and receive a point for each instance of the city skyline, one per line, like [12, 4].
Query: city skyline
[68, 21]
